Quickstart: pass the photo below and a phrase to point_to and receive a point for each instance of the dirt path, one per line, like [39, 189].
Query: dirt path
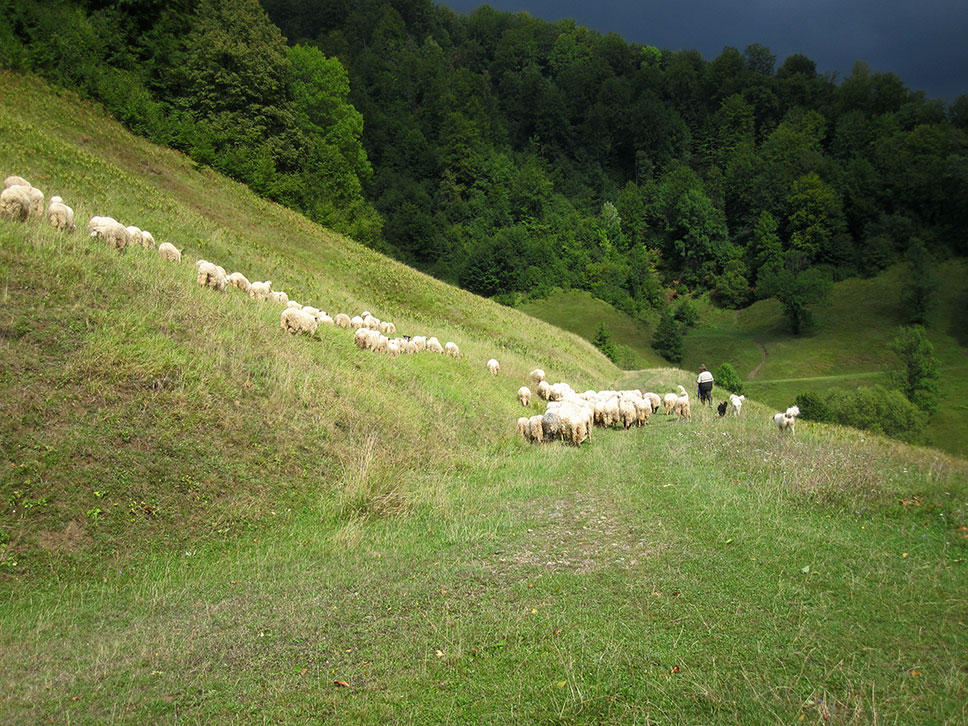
[752, 373]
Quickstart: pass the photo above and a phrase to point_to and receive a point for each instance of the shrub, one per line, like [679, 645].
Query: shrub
[728, 378]
[878, 409]
[814, 408]
[603, 341]
[667, 339]
[686, 313]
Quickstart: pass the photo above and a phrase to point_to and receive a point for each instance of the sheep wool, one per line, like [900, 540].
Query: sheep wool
[342, 320]
[15, 203]
[451, 349]
[168, 252]
[135, 238]
[434, 346]
[259, 291]
[356, 322]
[147, 241]
[493, 366]
[669, 402]
[113, 233]
[36, 201]
[278, 296]
[536, 376]
[60, 215]
[15, 181]
[536, 429]
[524, 396]
[523, 428]
[294, 321]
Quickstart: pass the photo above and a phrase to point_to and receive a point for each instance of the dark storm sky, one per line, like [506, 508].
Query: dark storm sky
[925, 43]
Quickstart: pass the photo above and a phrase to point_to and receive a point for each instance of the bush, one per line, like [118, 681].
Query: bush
[667, 339]
[603, 341]
[880, 410]
[728, 378]
[814, 408]
[686, 313]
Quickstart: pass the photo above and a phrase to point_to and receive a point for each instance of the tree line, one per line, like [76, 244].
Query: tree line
[512, 155]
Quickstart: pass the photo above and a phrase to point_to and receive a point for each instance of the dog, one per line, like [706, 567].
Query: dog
[722, 408]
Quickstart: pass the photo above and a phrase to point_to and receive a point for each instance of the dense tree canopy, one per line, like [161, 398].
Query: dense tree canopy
[511, 155]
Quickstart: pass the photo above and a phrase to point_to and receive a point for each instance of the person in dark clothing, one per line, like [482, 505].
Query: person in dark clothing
[705, 381]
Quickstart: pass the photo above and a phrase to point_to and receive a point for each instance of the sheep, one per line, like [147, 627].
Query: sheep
[536, 376]
[544, 390]
[237, 280]
[210, 275]
[420, 342]
[135, 238]
[536, 429]
[434, 346]
[451, 349]
[682, 406]
[388, 328]
[147, 240]
[523, 427]
[736, 402]
[325, 319]
[643, 410]
[654, 399]
[36, 202]
[356, 322]
[493, 367]
[15, 203]
[278, 296]
[669, 402]
[60, 215]
[259, 291]
[341, 320]
[524, 396]
[627, 413]
[393, 349]
[371, 323]
[296, 321]
[18, 181]
[168, 252]
[114, 234]
[364, 338]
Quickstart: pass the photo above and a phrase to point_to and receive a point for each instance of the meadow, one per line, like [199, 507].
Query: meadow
[205, 520]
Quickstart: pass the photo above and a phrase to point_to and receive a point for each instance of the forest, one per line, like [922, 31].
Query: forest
[513, 156]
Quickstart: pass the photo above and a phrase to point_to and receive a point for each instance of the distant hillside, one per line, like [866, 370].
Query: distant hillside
[847, 348]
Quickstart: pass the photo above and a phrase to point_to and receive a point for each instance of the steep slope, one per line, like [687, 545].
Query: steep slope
[169, 397]
[204, 519]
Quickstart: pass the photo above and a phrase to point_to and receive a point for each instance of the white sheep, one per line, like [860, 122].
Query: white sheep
[434, 346]
[536, 429]
[324, 319]
[210, 275]
[654, 399]
[682, 408]
[297, 321]
[364, 338]
[134, 236]
[523, 428]
[524, 396]
[388, 328]
[36, 201]
[451, 349]
[237, 280]
[536, 376]
[259, 291]
[393, 348]
[278, 296]
[356, 322]
[736, 402]
[15, 181]
[419, 342]
[493, 367]
[168, 252]
[341, 320]
[113, 233]
[147, 240]
[60, 215]
[15, 203]
[544, 390]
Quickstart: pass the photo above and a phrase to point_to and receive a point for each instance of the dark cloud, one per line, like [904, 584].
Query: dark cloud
[924, 43]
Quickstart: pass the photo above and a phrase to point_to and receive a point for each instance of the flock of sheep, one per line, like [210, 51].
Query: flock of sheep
[569, 416]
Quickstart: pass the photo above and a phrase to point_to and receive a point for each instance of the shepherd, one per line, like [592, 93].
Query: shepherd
[705, 381]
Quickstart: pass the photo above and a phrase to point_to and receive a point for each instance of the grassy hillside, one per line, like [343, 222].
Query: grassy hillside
[203, 519]
[847, 348]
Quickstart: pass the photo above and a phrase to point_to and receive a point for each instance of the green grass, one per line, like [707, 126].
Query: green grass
[203, 519]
